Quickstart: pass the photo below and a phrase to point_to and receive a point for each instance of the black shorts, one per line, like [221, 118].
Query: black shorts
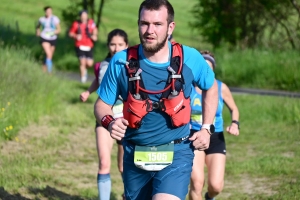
[118, 141]
[84, 54]
[51, 42]
[217, 143]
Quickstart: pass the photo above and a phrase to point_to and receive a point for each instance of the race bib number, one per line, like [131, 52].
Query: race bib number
[154, 158]
[84, 48]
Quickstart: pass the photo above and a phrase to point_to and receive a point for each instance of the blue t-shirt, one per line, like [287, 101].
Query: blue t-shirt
[196, 105]
[156, 128]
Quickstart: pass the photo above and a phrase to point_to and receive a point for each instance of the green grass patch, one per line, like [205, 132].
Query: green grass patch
[260, 69]
[26, 93]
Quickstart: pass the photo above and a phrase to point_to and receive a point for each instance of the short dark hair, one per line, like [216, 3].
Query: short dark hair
[47, 7]
[155, 5]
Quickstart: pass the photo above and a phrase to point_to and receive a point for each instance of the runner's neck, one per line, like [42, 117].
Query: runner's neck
[162, 56]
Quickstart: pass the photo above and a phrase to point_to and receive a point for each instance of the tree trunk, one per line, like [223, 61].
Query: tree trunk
[99, 13]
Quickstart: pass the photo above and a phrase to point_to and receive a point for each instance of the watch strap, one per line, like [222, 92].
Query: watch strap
[236, 122]
[207, 127]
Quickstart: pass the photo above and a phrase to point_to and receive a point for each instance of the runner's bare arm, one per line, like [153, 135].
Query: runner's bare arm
[95, 34]
[58, 29]
[72, 32]
[37, 29]
[117, 127]
[209, 103]
[102, 109]
[201, 139]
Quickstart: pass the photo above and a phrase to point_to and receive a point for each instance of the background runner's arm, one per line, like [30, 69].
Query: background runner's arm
[95, 34]
[94, 86]
[101, 109]
[58, 29]
[209, 103]
[72, 32]
[229, 101]
[38, 31]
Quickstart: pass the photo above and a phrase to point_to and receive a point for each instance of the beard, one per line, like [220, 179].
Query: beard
[153, 48]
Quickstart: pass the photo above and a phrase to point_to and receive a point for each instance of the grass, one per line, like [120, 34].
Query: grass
[47, 141]
[23, 98]
[58, 159]
[124, 16]
[53, 155]
[259, 68]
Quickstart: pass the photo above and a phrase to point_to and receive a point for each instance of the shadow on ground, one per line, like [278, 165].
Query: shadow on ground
[4, 195]
[48, 193]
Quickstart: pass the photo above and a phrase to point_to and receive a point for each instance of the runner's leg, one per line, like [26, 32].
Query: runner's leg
[47, 48]
[197, 177]
[216, 170]
[104, 148]
[120, 160]
[83, 71]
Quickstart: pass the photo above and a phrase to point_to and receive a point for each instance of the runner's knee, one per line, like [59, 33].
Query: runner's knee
[104, 164]
[216, 187]
[197, 185]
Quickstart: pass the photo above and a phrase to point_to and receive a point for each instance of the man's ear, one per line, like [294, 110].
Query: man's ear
[171, 28]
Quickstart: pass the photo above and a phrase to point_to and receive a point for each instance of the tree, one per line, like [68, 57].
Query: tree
[248, 23]
[71, 12]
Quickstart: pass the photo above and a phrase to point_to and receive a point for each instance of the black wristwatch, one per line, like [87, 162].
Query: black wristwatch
[236, 122]
[209, 127]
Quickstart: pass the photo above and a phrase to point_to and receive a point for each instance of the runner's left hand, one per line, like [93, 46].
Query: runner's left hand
[233, 129]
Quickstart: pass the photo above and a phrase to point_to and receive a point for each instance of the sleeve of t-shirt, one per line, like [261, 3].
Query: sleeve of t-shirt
[56, 20]
[203, 75]
[96, 70]
[109, 89]
[73, 28]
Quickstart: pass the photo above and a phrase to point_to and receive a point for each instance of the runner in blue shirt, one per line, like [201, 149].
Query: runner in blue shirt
[215, 156]
[158, 151]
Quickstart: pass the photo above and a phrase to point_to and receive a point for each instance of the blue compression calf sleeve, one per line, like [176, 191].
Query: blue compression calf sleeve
[49, 65]
[104, 186]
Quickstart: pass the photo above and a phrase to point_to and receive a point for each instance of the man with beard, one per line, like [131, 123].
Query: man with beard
[154, 80]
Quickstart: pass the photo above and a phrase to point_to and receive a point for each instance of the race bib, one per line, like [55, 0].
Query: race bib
[84, 48]
[154, 158]
[196, 118]
[49, 33]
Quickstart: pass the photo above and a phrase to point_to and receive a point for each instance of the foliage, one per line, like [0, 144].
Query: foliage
[248, 23]
[70, 13]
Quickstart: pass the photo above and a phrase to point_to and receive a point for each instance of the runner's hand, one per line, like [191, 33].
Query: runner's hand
[78, 37]
[118, 128]
[233, 129]
[200, 139]
[84, 96]
[94, 38]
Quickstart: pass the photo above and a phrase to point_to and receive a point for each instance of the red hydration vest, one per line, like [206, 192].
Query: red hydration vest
[172, 101]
